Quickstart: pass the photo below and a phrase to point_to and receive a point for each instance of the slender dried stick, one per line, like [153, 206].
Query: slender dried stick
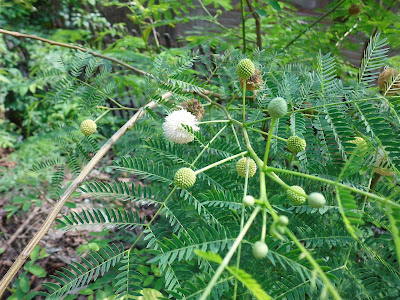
[34, 37]
[74, 185]
[136, 70]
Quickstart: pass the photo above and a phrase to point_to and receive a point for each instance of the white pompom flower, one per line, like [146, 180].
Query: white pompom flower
[174, 130]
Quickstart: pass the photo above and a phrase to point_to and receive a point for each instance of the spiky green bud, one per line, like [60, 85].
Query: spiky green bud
[185, 178]
[296, 144]
[295, 198]
[88, 127]
[245, 68]
[241, 167]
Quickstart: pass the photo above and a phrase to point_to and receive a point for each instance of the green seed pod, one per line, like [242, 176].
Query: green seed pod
[245, 68]
[185, 178]
[295, 198]
[242, 165]
[88, 127]
[260, 250]
[283, 221]
[248, 200]
[296, 144]
[316, 200]
[277, 108]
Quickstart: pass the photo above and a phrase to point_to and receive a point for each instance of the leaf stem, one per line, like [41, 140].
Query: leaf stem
[233, 98]
[355, 190]
[213, 121]
[206, 146]
[154, 217]
[102, 115]
[229, 255]
[244, 103]
[267, 133]
[246, 181]
[271, 130]
[220, 162]
[118, 108]
[316, 266]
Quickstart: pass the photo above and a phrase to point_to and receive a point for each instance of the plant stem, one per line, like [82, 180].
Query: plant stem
[233, 98]
[395, 233]
[208, 144]
[264, 225]
[244, 103]
[316, 266]
[102, 115]
[154, 217]
[243, 26]
[220, 162]
[266, 133]
[276, 178]
[270, 132]
[246, 181]
[213, 121]
[258, 121]
[236, 137]
[229, 255]
[334, 183]
[263, 195]
[258, 24]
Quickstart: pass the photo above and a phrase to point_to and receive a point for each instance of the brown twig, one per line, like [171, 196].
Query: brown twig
[68, 192]
[258, 24]
[34, 37]
[22, 227]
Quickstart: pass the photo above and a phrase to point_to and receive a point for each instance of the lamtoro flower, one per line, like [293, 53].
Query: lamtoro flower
[174, 130]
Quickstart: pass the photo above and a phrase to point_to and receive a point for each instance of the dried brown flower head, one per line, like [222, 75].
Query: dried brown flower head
[254, 82]
[194, 107]
[387, 77]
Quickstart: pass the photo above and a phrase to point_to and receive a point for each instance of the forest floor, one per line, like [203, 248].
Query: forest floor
[62, 247]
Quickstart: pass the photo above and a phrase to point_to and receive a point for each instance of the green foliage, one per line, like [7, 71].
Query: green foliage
[354, 241]
[207, 216]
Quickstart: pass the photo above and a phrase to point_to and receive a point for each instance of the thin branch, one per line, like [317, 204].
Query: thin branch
[34, 37]
[74, 185]
[314, 23]
[243, 26]
[215, 21]
[258, 24]
[136, 70]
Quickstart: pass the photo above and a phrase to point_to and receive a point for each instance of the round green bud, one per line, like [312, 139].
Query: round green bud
[248, 200]
[295, 198]
[277, 107]
[245, 68]
[316, 200]
[185, 178]
[283, 221]
[280, 229]
[260, 250]
[241, 167]
[219, 12]
[296, 144]
[88, 127]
